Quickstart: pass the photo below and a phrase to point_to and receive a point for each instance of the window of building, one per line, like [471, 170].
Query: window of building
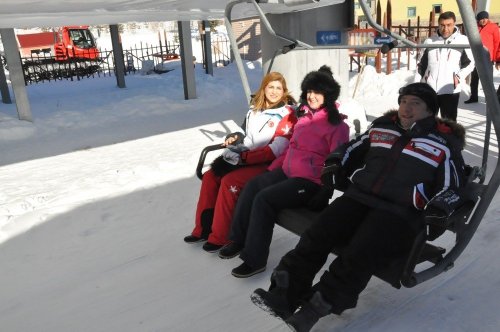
[412, 11]
[437, 9]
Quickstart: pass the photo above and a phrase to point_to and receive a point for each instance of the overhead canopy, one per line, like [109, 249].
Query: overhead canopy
[36, 13]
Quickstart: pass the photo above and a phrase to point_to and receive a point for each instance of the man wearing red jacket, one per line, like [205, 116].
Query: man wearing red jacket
[490, 36]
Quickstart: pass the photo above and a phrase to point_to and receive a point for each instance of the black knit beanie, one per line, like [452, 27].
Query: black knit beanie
[422, 91]
[322, 81]
[481, 15]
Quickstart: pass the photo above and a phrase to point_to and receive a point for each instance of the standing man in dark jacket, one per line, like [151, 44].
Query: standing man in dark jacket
[398, 173]
[490, 36]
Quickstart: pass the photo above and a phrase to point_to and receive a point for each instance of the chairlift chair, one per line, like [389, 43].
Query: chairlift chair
[408, 272]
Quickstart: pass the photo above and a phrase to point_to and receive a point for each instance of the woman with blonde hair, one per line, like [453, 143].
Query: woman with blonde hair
[268, 128]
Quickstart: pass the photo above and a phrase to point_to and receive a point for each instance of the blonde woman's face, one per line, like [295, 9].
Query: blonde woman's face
[273, 92]
[315, 99]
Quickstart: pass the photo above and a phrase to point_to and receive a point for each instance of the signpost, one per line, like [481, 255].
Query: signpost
[382, 40]
[328, 37]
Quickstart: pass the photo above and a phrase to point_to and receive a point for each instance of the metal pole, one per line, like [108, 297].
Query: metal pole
[4, 87]
[16, 74]
[207, 41]
[187, 60]
[118, 55]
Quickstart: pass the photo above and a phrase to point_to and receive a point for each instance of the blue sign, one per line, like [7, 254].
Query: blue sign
[327, 37]
[382, 40]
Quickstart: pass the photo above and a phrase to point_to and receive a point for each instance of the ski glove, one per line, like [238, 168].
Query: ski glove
[232, 154]
[231, 157]
[440, 207]
[331, 169]
[438, 210]
[320, 200]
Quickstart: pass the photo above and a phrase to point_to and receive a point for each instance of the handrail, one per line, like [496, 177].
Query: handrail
[203, 155]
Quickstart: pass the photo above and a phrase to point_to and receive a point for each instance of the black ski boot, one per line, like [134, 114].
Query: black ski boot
[274, 301]
[309, 314]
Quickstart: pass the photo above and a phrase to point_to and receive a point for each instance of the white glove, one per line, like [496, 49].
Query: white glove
[231, 157]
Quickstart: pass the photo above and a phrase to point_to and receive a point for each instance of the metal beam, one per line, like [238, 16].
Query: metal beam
[16, 74]
[4, 87]
[118, 55]
[187, 60]
[207, 42]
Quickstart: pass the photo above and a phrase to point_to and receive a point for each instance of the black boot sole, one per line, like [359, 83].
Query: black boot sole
[263, 304]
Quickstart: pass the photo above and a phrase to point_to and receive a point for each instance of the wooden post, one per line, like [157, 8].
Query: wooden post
[389, 27]
[418, 36]
[408, 50]
[432, 16]
[378, 65]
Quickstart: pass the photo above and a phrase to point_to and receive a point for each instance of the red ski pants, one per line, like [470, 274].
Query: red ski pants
[221, 194]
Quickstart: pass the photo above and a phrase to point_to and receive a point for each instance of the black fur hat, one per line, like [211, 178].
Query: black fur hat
[423, 91]
[322, 81]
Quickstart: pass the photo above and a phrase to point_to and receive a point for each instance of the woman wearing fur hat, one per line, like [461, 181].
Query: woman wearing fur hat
[268, 128]
[405, 169]
[297, 183]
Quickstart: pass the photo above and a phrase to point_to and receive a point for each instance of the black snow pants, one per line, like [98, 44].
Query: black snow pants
[448, 105]
[368, 239]
[258, 207]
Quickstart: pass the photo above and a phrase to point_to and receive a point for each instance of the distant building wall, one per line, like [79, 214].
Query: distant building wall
[402, 11]
[247, 34]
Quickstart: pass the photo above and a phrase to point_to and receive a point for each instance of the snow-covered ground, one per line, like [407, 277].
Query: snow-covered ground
[98, 193]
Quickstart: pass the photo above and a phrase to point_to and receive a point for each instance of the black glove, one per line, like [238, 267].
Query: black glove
[220, 167]
[437, 212]
[330, 169]
[239, 137]
[320, 200]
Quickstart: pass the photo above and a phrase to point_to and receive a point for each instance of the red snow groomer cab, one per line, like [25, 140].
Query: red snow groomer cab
[69, 42]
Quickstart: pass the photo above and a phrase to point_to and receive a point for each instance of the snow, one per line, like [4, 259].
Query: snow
[99, 191]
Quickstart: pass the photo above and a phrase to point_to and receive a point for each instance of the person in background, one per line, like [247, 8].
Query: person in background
[268, 128]
[319, 130]
[490, 36]
[445, 68]
[405, 171]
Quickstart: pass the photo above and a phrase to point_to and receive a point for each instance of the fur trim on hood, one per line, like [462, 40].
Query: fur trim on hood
[444, 126]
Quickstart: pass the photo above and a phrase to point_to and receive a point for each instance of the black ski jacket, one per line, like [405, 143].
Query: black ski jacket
[401, 170]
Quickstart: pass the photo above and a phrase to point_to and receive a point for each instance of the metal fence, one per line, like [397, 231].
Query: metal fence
[43, 67]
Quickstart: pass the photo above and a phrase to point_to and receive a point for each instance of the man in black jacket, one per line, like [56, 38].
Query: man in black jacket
[396, 174]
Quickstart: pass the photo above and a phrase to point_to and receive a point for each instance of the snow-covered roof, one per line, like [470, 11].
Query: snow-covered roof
[33, 13]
